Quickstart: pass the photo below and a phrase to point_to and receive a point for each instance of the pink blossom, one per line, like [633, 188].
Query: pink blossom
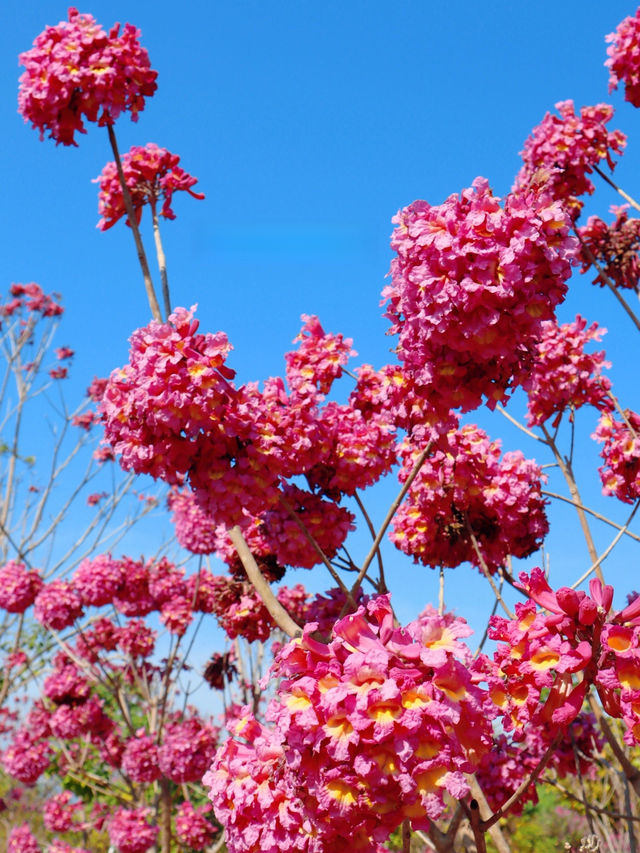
[624, 58]
[563, 374]
[97, 580]
[562, 151]
[319, 359]
[34, 298]
[26, 758]
[187, 750]
[195, 529]
[64, 353]
[95, 498]
[151, 174]
[75, 70]
[130, 832]
[59, 373]
[471, 284]
[85, 420]
[614, 247]
[18, 587]
[328, 523]
[21, 840]
[58, 605]
[620, 473]
[192, 828]
[140, 758]
[59, 811]
[363, 719]
[137, 639]
[464, 487]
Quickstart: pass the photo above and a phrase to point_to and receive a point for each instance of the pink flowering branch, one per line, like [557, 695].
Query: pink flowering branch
[276, 610]
[142, 257]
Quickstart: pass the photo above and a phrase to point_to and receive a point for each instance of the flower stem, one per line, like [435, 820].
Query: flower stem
[162, 260]
[276, 610]
[142, 257]
[613, 184]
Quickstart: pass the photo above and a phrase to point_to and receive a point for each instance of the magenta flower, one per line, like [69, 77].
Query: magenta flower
[624, 58]
[18, 587]
[562, 151]
[614, 247]
[465, 486]
[152, 174]
[620, 473]
[564, 375]
[76, 71]
[130, 832]
[472, 282]
[21, 840]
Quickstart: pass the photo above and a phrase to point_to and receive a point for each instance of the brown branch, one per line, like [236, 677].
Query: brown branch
[276, 610]
[133, 222]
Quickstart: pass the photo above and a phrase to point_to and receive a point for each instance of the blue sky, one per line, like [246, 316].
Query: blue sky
[308, 125]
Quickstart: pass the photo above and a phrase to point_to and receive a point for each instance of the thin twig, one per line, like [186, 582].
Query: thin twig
[389, 517]
[613, 184]
[382, 586]
[524, 786]
[591, 512]
[517, 423]
[596, 565]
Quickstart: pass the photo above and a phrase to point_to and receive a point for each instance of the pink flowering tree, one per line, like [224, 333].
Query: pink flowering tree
[364, 733]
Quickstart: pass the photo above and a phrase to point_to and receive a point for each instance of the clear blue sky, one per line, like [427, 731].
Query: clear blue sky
[308, 126]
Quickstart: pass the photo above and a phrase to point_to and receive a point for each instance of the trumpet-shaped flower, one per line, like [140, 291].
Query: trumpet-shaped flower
[77, 71]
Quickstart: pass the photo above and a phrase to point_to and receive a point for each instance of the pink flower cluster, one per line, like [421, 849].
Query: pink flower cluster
[464, 487]
[18, 587]
[76, 70]
[33, 298]
[195, 530]
[192, 828]
[151, 173]
[22, 840]
[624, 58]
[130, 832]
[615, 248]
[620, 473]
[471, 285]
[371, 729]
[172, 412]
[546, 662]
[318, 360]
[562, 151]
[564, 375]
